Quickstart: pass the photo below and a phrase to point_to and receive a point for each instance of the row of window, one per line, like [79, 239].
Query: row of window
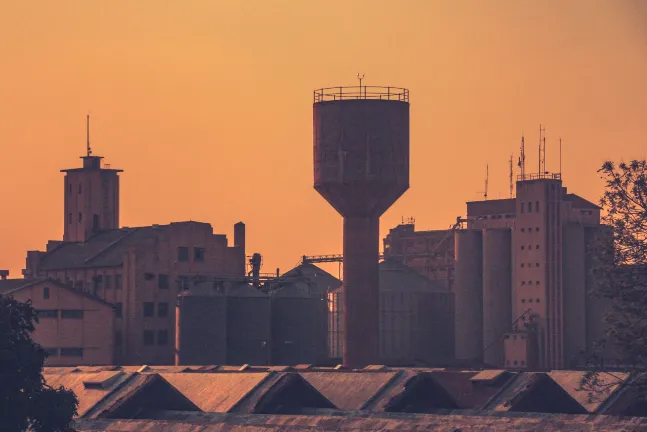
[149, 309]
[507, 216]
[529, 301]
[529, 265]
[529, 229]
[183, 254]
[64, 352]
[69, 188]
[530, 206]
[529, 282]
[523, 363]
[65, 313]
[103, 281]
[163, 281]
[523, 247]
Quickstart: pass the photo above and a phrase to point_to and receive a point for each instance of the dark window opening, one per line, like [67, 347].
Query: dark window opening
[162, 309]
[536, 246]
[118, 281]
[46, 292]
[523, 230]
[537, 300]
[522, 264]
[149, 309]
[523, 247]
[522, 206]
[108, 282]
[96, 282]
[183, 283]
[537, 206]
[51, 352]
[530, 207]
[118, 338]
[69, 189]
[95, 222]
[149, 337]
[149, 276]
[162, 337]
[183, 254]
[71, 352]
[69, 218]
[162, 281]
[80, 216]
[47, 313]
[198, 254]
[78, 285]
[80, 187]
[72, 314]
[118, 310]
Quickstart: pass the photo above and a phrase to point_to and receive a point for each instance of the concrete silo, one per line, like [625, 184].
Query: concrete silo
[497, 293]
[468, 295]
[361, 167]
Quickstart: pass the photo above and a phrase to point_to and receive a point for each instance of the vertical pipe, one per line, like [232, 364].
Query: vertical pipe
[361, 291]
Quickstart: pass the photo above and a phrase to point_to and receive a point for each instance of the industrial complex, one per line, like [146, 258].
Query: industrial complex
[491, 314]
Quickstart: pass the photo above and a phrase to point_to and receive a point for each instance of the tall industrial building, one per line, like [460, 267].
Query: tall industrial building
[521, 278]
[138, 270]
[361, 167]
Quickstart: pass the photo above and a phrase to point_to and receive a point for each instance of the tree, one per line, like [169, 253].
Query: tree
[26, 401]
[619, 269]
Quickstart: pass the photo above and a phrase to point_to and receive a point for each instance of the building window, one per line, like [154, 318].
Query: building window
[183, 254]
[80, 187]
[537, 300]
[79, 285]
[183, 283]
[162, 281]
[523, 300]
[529, 300]
[515, 362]
[118, 309]
[536, 282]
[149, 337]
[162, 337]
[537, 206]
[117, 281]
[523, 247]
[46, 292]
[536, 246]
[47, 313]
[149, 276]
[51, 352]
[523, 230]
[72, 314]
[529, 282]
[529, 206]
[536, 264]
[71, 352]
[118, 338]
[522, 204]
[523, 282]
[69, 218]
[198, 254]
[80, 216]
[537, 229]
[96, 280]
[162, 309]
[522, 264]
[149, 309]
[69, 189]
[108, 282]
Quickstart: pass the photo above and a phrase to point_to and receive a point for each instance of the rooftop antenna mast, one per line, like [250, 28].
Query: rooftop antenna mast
[360, 78]
[542, 150]
[511, 178]
[560, 156]
[522, 160]
[487, 179]
[87, 133]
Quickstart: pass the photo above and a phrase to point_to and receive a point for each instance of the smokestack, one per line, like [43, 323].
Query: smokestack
[239, 242]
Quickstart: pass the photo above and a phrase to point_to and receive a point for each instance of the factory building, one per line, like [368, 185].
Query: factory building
[415, 321]
[138, 270]
[74, 327]
[521, 278]
[283, 321]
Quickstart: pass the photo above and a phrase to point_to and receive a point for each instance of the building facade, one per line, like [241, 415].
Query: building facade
[521, 296]
[74, 328]
[139, 270]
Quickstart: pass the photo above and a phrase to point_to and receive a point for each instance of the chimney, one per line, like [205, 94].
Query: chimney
[239, 235]
[4, 274]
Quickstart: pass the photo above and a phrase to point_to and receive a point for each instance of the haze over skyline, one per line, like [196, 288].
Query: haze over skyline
[207, 106]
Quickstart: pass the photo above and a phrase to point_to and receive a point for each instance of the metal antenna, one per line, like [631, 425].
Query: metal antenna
[511, 175]
[560, 156]
[522, 160]
[360, 78]
[487, 180]
[87, 132]
[542, 150]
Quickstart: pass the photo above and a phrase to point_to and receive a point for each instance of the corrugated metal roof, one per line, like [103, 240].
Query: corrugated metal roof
[215, 392]
[349, 390]
[590, 400]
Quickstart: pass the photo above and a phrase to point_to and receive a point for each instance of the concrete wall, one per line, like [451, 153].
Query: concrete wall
[93, 333]
[497, 293]
[468, 292]
[574, 289]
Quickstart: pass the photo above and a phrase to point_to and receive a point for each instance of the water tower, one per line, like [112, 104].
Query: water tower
[361, 167]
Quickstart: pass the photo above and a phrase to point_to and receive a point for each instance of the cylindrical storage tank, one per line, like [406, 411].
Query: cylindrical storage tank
[468, 295]
[201, 330]
[497, 293]
[361, 167]
[248, 326]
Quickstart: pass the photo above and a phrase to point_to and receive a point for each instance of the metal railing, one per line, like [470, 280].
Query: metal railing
[550, 176]
[361, 92]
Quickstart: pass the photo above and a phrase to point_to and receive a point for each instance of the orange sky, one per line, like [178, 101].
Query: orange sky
[207, 105]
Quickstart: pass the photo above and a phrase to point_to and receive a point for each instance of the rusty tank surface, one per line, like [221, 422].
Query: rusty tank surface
[361, 167]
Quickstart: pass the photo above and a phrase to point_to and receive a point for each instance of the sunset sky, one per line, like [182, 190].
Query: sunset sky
[207, 105]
